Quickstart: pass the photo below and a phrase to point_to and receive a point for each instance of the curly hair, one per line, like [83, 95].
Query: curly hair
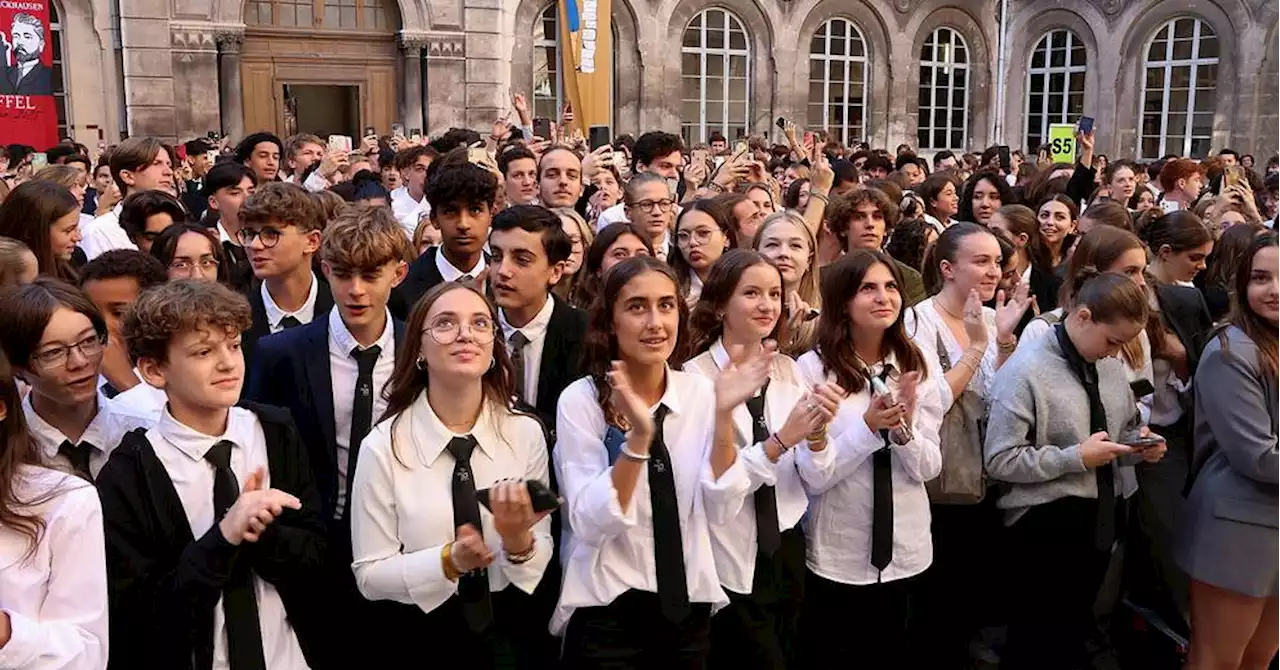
[454, 179]
[282, 203]
[841, 210]
[146, 269]
[161, 313]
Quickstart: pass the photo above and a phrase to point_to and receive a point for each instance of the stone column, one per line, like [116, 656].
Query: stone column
[148, 68]
[411, 47]
[195, 73]
[446, 56]
[230, 90]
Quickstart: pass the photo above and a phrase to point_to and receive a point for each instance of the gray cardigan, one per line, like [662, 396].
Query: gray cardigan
[1039, 417]
[1227, 533]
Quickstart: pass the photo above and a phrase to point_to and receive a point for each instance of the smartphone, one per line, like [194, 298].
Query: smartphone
[1006, 161]
[1233, 176]
[543, 498]
[812, 314]
[740, 147]
[1086, 125]
[339, 143]
[211, 156]
[781, 123]
[598, 136]
[415, 134]
[1144, 442]
[39, 160]
[1169, 206]
[213, 135]
[542, 128]
[397, 129]
[370, 130]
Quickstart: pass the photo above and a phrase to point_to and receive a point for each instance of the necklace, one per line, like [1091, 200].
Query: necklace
[943, 307]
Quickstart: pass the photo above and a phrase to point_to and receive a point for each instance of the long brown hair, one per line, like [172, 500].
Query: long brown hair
[588, 287]
[600, 345]
[16, 450]
[409, 380]
[706, 321]
[840, 282]
[28, 215]
[1242, 316]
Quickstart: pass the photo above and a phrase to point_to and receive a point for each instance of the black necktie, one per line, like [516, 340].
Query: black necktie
[289, 322]
[668, 546]
[239, 604]
[882, 502]
[518, 342]
[361, 412]
[235, 252]
[78, 454]
[1105, 525]
[768, 537]
[473, 587]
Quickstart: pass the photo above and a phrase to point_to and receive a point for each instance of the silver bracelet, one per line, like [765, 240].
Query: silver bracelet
[633, 455]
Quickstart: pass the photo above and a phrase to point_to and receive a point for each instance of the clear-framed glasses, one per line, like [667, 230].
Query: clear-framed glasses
[664, 205]
[447, 329]
[90, 348]
[699, 235]
[269, 236]
[206, 264]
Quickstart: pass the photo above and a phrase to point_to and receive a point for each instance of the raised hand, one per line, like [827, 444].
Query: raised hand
[1009, 313]
[743, 378]
[521, 106]
[254, 510]
[627, 403]
[975, 327]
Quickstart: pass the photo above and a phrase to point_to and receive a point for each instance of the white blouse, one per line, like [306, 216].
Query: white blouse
[402, 502]
[925, 325]
[609, 549]
[838, 526]
[56, 599]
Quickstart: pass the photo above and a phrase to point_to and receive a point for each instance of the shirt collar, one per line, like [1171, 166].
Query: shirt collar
[402, 193]
[450, 273]
[533, 330]
[1026, 275]
[49, 439]
[671, 395]
[223, 236]
[341, 338]
[719, 355]
[430, 436]
[275, 314]
[195, 444]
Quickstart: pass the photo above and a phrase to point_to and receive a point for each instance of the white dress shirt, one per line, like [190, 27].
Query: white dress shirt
[143, 401]
[407, 210]
[733, 541]
[536, 332]
[181, 450]
[303, 314]
[57, 598]
[343, 372]
[925, 325]
[402, 504]
[450, 273]
[614, 214]
[695, 289]
[105, 233]
[838, 526]
[610, 549]
[104, 432]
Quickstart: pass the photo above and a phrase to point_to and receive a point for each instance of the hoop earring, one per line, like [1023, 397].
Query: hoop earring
[493, 362]
[420, 364]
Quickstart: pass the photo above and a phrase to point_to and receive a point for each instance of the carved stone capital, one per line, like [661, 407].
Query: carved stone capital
[230, 39]
[413, 43]
[445, 46]
[191, 37]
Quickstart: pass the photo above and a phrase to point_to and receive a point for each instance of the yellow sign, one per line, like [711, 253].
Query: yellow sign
[1062, 143]
[588, 60]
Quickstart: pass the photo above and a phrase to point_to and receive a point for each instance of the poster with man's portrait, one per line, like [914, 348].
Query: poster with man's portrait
[27, 110]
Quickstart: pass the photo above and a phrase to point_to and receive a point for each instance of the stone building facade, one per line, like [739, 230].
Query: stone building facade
[1162, 76]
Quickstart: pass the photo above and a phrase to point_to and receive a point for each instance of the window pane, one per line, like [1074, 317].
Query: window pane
[737, 40]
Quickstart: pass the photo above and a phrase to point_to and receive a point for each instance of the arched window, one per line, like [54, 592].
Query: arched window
[1055, 84]
[1180, 77]
[365, 15]
[944, 92]
[838, 80]
[715, 68]
[548, 93]
[59, 77]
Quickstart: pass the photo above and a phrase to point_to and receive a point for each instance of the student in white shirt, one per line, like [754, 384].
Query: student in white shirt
[785, 239]
[55, 339]
[644, 470]
[651, 207]
[704, 231]
[42, 215]
[656, 153]
[461, 573]
[868, 521]
[759, 550]
[113, 281]
[941, 200]
[53, 578]
[137, 164]
[963, 343]
[409, 202]
[614, 243]
[213, 529]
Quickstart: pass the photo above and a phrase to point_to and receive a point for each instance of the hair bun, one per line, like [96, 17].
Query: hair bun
[1086, 273]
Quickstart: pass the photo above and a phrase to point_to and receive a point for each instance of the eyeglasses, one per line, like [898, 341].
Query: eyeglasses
[447, 330]
[205, 263]
[648, 205]
[700, 235]
[90, 348]
[269, 236]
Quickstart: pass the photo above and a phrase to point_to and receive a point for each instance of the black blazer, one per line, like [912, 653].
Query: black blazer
[291, 370]
[423, 276]
[1184, 312]
[194, 201]
[260, 328]
[164, 583]
[39, 81]
[561, 363]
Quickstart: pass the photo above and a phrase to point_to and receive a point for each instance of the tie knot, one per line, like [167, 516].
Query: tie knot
[365, 358]
[220, 454]
[660, 415]
[518, 340]
[461, 448]
[290, 322]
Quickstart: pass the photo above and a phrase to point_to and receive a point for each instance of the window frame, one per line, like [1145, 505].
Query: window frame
[62, 94]
[945, 66]
[1046, 71]
[1167, 65]
[852, 31]
[390, 14]
[730, 23]
[540, 45]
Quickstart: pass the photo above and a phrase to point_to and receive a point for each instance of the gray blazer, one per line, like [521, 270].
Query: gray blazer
[1227, 535]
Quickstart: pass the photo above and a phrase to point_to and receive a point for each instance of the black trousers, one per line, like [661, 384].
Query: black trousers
[1054, 570]
[963, 591]
[1151, 577]
[631, 633]
[844, 626]
[411, 638]
[757, 631]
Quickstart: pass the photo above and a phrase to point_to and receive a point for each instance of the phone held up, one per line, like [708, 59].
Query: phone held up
[542, 497]
[1086, 125]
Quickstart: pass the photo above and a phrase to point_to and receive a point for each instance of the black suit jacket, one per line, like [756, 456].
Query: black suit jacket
[260, 328]
[39, 81]
[1184, 312]
[164, 583]
[291, 370]
[194, 201]
[561, 362]
[423, 276]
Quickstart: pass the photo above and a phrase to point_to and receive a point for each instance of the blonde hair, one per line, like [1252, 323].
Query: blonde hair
[364, 238]
[69, 176]
[569, 283]
[11, 260]
[803, 337]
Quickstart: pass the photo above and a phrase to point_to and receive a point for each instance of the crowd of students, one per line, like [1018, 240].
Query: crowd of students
[516, 403]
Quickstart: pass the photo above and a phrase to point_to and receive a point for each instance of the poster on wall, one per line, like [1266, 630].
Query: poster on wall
[28, 111]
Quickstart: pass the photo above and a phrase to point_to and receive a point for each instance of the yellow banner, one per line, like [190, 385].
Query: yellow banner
[586, 40]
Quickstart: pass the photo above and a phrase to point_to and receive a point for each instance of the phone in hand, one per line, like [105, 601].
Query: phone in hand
[415, 135]
[1233, 176]
[598, 136]
[781, 123]
[542, 128]
[740, 147]
[1006, 160]
[1144, 442]
[397, 129]
[543, 498]
[39, 160]
[370, 130]
[1086, 125]
[339, 143]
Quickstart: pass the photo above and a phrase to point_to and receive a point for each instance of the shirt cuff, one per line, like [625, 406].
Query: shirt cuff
[423, 574]
[23, 646]
[602, 510]
[760, 470]
[315, 182]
